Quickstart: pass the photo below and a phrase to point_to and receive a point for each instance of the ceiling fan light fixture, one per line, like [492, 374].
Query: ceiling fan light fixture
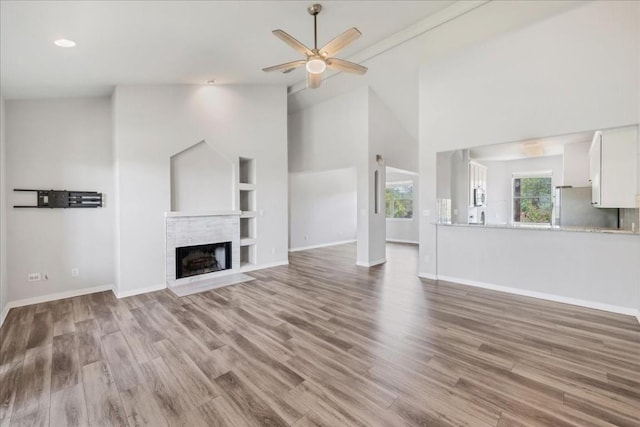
[533, 149]
[314, 81]
[316, 66]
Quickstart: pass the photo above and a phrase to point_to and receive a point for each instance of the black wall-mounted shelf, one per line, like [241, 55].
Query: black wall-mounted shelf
[64, 199]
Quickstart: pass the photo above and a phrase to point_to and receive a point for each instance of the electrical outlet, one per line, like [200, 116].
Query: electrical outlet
[273, 250]
[34, 277]
[75, 272]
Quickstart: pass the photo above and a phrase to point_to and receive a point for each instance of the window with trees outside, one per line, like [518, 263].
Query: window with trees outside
[532, 202]
[399, 200]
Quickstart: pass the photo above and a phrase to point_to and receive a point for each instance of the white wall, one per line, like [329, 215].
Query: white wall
[499, 183]
[575, 167]
[335, 135]
[152, 123]
[404, 229]
[563, 75]
[3, 217]
[59, 144]
[498, 91]
[389, 137]
[330, 135]
[201, 180]
[574, 71]
[349, 131]
[444, 162]
[460, 187]
[371, 186]
[592, 268]
[386, 131]
[393, 74]
[322, 207]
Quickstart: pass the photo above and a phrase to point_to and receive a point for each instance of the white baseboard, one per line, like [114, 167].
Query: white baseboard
[412, 242]
[262, 266]
[323, 245]
[139, 291]
[372, 263]
[542, 295]
[52, 297]
[428, 276]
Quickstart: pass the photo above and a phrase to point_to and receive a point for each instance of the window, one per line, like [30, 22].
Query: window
[532, 199]
[399, 200]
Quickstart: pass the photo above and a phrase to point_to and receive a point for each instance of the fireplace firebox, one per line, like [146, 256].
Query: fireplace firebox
[202, 259]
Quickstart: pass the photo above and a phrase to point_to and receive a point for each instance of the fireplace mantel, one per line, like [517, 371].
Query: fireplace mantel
[180, 214]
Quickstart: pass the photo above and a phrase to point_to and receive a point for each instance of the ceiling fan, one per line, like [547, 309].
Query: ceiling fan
[318, 60]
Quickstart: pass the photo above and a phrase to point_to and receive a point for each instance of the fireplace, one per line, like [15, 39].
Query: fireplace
[202, 259]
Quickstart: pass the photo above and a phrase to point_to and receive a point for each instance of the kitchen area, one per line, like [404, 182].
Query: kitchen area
[586, 181]
[531, 121]
[555, 218]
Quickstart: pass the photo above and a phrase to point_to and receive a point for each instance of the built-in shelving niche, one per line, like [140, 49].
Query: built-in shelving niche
[247, 200]
[247, 256]
[247, 171]
[248, 217]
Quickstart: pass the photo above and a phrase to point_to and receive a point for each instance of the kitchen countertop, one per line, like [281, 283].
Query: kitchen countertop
[544, 228]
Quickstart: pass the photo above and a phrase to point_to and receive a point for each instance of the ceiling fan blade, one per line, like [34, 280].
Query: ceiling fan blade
[292, 42]
[340, 42]
[314, 80]
[286, 67]
[342, 65]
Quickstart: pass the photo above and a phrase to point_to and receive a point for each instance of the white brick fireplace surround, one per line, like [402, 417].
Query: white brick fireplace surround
[199, 228]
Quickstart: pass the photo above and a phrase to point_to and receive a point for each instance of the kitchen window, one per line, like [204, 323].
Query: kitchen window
[399, 200]
[532, 202]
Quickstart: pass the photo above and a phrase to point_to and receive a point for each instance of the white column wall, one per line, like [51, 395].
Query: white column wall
[152, 123]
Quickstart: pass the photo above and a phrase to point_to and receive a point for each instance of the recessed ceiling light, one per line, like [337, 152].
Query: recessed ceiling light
[210, 82]
[64, 43]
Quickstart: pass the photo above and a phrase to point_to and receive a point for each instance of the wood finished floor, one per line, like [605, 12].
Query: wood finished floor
[320, 342]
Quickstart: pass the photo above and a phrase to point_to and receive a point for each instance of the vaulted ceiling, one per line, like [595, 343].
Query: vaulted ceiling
[171, 42]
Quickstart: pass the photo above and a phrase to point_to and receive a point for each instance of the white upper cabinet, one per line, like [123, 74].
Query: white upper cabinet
[613, 167]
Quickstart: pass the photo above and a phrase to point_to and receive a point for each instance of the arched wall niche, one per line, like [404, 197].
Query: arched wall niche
[202, 179]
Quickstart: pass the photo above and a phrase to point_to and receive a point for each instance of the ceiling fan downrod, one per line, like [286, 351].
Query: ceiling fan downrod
[314, 10]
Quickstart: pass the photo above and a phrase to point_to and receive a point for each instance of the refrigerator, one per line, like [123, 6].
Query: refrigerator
[573, 208]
